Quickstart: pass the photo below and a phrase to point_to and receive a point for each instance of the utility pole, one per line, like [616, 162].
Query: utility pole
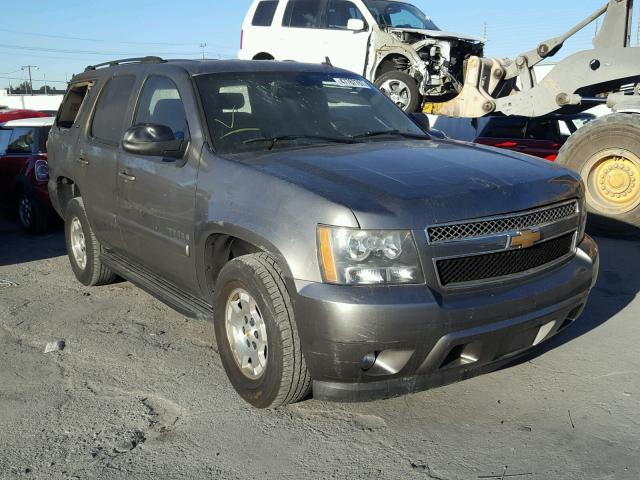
[638, 31]
[485, 35]
[29, 67]
[203, 46]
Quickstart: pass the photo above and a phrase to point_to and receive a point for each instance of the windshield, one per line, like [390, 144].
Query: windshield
[265, 110]
[399, 15]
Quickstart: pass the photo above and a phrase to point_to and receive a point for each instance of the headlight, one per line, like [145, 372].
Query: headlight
[368, 257]
[42, 170]
[582, 206]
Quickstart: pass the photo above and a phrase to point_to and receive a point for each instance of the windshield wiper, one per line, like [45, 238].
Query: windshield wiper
[390, 132]
[274, 140]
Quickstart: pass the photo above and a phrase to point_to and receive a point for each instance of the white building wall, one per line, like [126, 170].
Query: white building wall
[30, 102]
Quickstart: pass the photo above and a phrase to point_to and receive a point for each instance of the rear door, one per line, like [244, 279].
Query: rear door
[156, 195]
[97, 157]
[302, 36]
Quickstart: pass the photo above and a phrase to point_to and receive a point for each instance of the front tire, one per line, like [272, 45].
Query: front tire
[402, 89]
[83, 247]
[256, 333]
[606, 153]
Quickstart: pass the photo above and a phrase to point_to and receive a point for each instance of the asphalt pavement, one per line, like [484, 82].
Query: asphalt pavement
[138, 392]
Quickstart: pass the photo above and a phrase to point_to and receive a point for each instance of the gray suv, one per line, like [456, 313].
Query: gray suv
[333, 244]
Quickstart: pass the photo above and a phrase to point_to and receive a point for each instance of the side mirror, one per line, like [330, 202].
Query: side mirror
[356, 25]
[153, 140]
[422, 120]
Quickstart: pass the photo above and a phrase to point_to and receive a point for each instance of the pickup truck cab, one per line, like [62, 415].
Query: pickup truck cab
[334, 245]
[24, 172]
[391, 43]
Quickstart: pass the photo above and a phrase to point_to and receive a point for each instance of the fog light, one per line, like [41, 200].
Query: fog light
[368, 361]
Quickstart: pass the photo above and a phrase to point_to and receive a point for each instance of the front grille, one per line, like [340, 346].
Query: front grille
[504, 224]
[495, 265]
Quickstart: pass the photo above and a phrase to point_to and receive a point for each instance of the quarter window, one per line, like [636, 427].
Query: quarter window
[303, 14]
[160, 104]
[264, 14]
[71, 105]
[109, 120]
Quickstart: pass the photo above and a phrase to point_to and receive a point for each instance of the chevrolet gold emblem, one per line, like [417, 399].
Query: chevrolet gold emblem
[525, 239]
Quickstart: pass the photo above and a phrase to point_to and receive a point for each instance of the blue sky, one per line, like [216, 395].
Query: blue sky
[104, 30]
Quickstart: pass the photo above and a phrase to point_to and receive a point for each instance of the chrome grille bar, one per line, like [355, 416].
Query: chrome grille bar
[501, 224]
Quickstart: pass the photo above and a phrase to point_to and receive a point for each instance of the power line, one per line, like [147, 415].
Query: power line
[42, 80]
[119, 42]
[86, 52]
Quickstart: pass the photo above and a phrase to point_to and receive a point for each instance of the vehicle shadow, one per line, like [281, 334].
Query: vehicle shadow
[17, 247]
[617, 286]
[607, 227]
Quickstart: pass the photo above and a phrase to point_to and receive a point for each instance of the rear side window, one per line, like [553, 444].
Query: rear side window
[109, 120]
[264, 14]
[71, 105]
[160, 103]
[542, 129]
[22, 140]
[303, 14]
[505, 127]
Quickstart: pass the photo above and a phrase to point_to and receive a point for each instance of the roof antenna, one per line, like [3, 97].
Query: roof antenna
[327, 62]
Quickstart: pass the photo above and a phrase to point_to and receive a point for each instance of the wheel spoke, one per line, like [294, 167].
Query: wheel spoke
[246, 333]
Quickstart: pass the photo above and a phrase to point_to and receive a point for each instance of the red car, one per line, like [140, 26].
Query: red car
[8, 115]
[24, 172]
[541, 137]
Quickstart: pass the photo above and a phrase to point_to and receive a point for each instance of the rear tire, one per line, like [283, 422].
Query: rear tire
[83, 247]
[606, 153]
[402, 89]
[31, 213]
[252, 305]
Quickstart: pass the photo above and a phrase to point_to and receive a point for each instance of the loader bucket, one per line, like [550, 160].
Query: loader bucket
[471, 102]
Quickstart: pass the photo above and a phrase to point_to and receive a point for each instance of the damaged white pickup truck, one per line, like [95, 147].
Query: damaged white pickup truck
[392, 43]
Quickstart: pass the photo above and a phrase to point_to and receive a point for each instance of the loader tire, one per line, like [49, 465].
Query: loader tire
[606, 153]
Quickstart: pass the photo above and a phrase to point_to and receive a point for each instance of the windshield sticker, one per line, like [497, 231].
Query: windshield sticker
[351, 82]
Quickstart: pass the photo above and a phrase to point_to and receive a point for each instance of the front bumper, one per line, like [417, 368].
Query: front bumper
[422, 339]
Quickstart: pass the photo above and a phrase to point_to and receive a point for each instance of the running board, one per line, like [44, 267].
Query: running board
[165, 291]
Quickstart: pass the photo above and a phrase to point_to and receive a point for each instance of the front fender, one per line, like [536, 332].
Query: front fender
[266, 211]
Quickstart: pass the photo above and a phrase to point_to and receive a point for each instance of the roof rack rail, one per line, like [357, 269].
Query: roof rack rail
[113, 63]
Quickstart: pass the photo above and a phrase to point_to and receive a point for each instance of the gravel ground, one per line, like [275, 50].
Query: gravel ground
[139, 393]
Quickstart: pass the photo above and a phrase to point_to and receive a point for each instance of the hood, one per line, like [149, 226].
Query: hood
[402, 184]
[441, 35]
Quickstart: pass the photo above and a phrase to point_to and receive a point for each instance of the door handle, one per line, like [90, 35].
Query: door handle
[127, 177]
[82, 159]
